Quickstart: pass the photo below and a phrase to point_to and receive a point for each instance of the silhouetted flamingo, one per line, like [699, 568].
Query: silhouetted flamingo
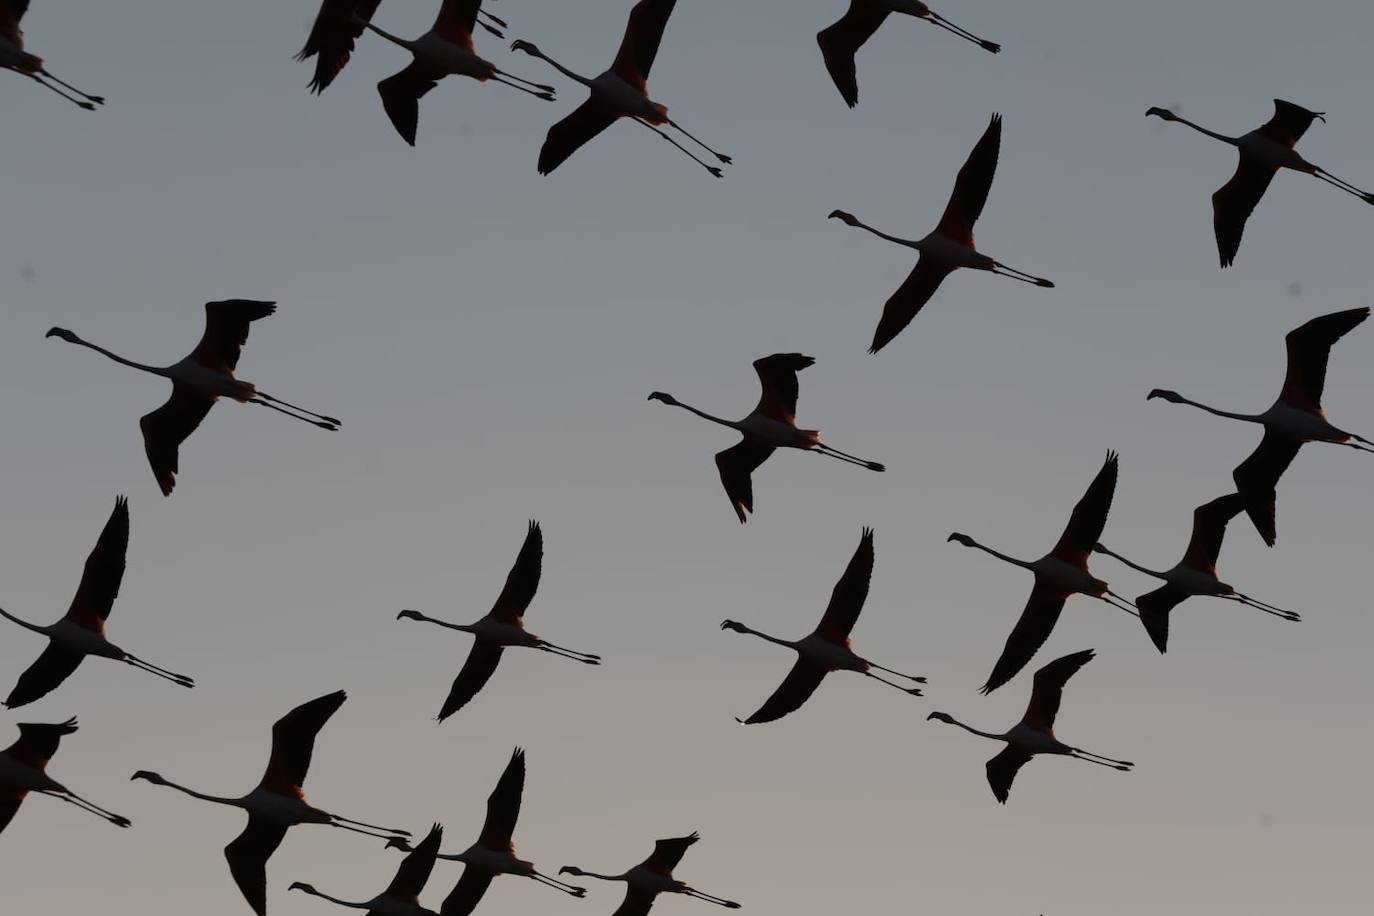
[402, 895]
[14, 57]
[652, 877]
[23, 769]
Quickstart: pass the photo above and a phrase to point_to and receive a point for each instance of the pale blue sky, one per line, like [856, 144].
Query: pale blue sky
[489, 337]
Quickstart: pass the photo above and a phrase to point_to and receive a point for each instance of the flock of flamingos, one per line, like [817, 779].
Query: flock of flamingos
[208, 374]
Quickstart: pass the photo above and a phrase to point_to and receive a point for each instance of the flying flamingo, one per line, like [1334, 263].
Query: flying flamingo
[402, 895]
[827, 648]
[950, 246]
[494, 852]
[199, 380]
[652, 877]
[23, 769]
[1058, 574]
[14, 57]
[503, 626]
[771, 425]
[278, 801]
[1034, 734]
[841, 41]
[1296, 417]
[620, 92]
[1263, 152]
[82, 631]
[337, 28]
[1195, 574]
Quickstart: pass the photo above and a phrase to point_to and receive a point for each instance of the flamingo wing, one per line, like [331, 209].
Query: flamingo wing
[1089, 516]
[413, 873]
[523, 580]
[1048, 689]
[1002, 771]
[668, 853]
[637, 902]
[293, 742]
[850, 593]
[456, 21]
[53, 666]
[1257, 478]
[794, 691]
[167, 427]
[467, 893]
[736, 464]
[1032, 629]
[401, 94]
[333, 37]
[1154, 613]
[778, 378]
[1309, 348]
[639, 47]
[9, 807]
[1209, 528]
[1233, 203]
[972, 186]
[503, 805]
[476, 671]
[11, 11]
[1289, 123]
[226, 331]
[903, 305]
[38, 742]
[841, 40]
[247, 856]
[568, 135]
[104, 571]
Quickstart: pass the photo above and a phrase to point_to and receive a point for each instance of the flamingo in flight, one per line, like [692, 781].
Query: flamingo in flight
[494, 852]
[1263, 152]
[771, 425]
[1058, 574]
[1296, 417]
[23, 769]
[1034, 734]
[402, 895]
[199, 380]
[950, 246]
[14, 57]
[841, 41]
[1195, 574]
[827, 648]
[620, 92]
[652, 877]
[340, 24]
[278, 801]
[81, 632]
[504, 625]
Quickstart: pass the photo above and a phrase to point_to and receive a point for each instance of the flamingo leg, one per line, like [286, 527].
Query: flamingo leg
[570, 889]
[73, 799]
[539, 86]
[99, 100]
[1344, 185]
[320, 423]
[936, 19]
[389, 830]
[1261, 606]
[1098, 758]
[140, 664]
[909, 677]
[1013, 273]
[546, 96]
[496, 19]
[545, 642]
[267, 397]
[852, 459]
[552, 650]
[1115, 605]
[914, 691]
[75, 101]
[719, 901]
[710, 168]
[721, 156]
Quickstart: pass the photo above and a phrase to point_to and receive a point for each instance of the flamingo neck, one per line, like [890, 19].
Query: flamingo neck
[891, 238]
[765, 636]
[1246, 417]
[214, 799]
[1202, 130]
[591, 874]
[971, 729]
[706, 416]
[155, 370]
[562, 69]
[1002, 556]
[349, 904]
[408, 45]
[23, 623]
[1136, 567]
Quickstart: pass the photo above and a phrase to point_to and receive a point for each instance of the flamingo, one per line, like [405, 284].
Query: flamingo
[1195, 574]
[278, 801]
[446, 49]
[652, 877]
[1058, 574]
[620, 92]
[771, 425]
[340, 24]
[199, 380]
[503, 626]
[14, 57]
[494, 852]
[1296, 417]
[1034, 734]
[841, 41]
[81, 632]
[23, 769]
[1263, 152]
[950, 246]
[402, 895]
[827, 648]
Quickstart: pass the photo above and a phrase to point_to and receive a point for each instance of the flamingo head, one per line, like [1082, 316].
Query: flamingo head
[571, 870]
[400, 843]
[528, 47]
[1164, 113]
[1173, 397]
[302, 886]
[408, 615]
[732, 625]
[63, 333]
[150, 776]
[960, 539]
[662, 396]
[940, 717]
[848, 219]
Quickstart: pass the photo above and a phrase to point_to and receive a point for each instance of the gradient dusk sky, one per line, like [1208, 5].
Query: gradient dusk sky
[489, 337]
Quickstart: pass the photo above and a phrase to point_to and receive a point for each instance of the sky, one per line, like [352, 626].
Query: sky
[489, 337]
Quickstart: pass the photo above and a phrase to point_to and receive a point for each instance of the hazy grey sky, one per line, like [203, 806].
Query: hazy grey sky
[489, 337]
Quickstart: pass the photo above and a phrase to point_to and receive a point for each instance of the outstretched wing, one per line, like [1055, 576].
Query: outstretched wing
[415, 868]
[668, 853]
[1233, 203]
[636, 903]
[1288, 123]
[401, 96]
[903, 305]
[841, 40]
[456, 21]
[1032, 629]
[1089, 516]
[503, 805]
[38, 742]
[1048, 689]
[333, 37]
[850, 593]
[1002, 771]
[167, 427]
[1154, 613]
[794, 691]
[226, 331]
[293, 742]
[467, 893]
[53, 666]
[736, 465]
[568, 135]
[476, 671]
[1209, 527]
[104, 571]
[639, 47]
[523, 580]
[247, 856]
[11, 11]
[778, 378]
[1309, 348]
[972, 186]
[1257, 479]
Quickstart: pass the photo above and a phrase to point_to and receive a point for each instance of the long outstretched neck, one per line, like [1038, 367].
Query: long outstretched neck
[971, 729]
[1001, 556]
[535, 52]
[408, 45]
[772, 639]
[1202, 130]
[214, 799]
[23, 623]
[704, 415]
[1246, 417]
[883, 235]
[1149, 572]
[314, 893]
[155, 370]
[416, 615]
[591, 874]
